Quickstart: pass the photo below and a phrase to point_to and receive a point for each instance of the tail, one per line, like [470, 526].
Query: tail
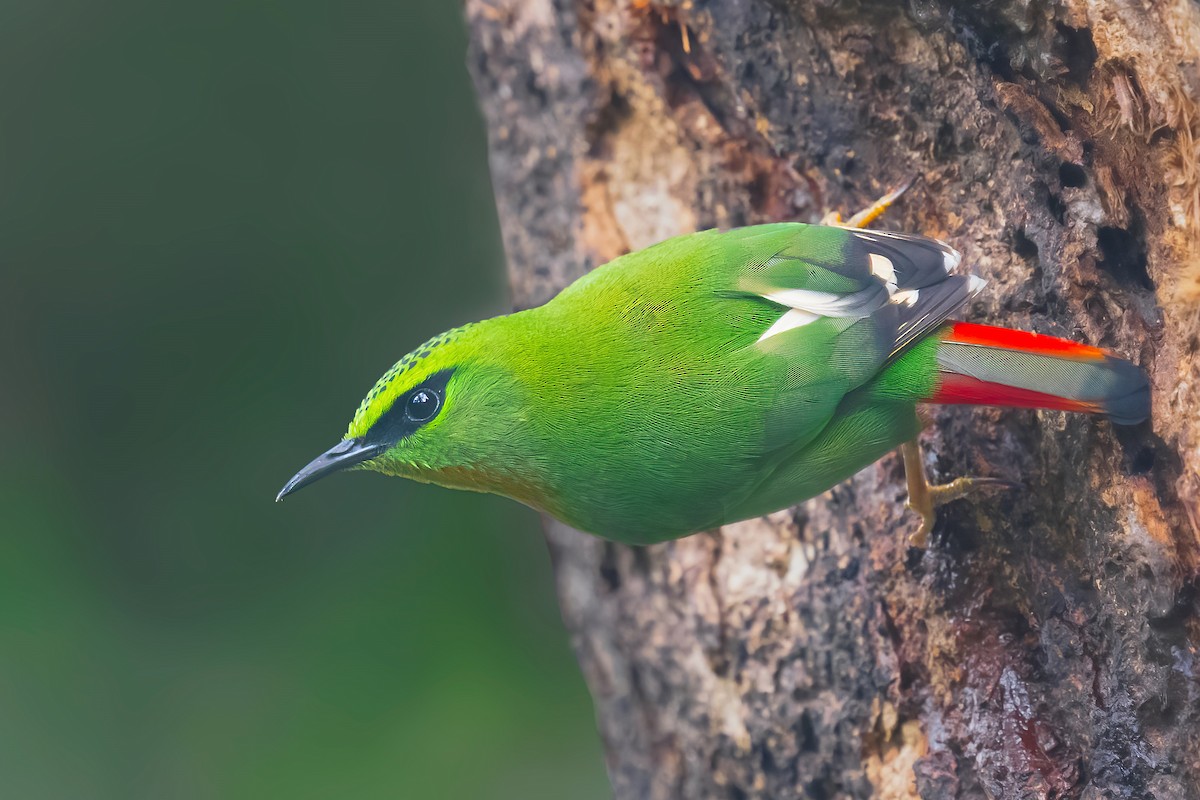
[982, 365]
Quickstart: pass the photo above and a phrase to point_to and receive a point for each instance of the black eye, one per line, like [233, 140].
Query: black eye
[422, 405]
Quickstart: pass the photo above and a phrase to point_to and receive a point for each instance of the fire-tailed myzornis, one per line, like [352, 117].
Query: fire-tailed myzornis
[714, 377]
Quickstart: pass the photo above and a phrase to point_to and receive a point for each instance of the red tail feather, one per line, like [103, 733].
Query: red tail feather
[965, 390]
[984, 365]
[991, 336]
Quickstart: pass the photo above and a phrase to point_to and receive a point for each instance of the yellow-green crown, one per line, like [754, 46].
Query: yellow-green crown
[404, 375]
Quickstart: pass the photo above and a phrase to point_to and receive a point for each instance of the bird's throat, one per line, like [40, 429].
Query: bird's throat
[491, 481]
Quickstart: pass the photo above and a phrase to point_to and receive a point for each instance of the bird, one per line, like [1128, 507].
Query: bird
[715, 377]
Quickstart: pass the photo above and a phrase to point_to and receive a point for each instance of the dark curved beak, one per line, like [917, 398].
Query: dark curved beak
[343, 455]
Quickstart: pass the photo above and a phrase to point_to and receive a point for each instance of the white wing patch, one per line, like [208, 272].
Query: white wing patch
[883, 268]
[825, 304]
[792, 318]
[805, 305]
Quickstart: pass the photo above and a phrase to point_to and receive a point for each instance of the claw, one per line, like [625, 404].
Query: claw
[924, 499]
[872, 212]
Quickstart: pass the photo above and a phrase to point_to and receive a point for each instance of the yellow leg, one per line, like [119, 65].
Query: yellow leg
[924, 498]
[872, 212]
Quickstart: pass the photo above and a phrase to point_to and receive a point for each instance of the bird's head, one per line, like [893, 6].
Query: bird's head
[441, 415]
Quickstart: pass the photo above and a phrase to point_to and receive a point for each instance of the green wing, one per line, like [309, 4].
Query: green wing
[701, 368]
[848, 302]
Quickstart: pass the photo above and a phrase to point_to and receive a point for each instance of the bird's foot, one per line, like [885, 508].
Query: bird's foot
[872, 212]
[924, 498]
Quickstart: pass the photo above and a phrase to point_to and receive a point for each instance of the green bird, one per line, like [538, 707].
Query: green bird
[715, 377]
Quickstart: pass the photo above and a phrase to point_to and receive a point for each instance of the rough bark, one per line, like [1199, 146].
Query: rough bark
[1045, 645]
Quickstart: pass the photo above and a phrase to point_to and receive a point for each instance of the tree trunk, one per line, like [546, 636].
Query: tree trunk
[1045, 645]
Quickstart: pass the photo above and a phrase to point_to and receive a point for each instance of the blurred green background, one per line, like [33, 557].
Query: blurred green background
[219, 223]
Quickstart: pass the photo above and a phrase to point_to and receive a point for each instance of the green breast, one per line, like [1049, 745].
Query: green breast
[645, 389]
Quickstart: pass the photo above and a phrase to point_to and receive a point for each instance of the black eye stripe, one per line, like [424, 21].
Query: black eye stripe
[411, 410]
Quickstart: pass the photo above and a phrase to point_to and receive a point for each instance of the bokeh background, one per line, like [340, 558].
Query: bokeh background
[219, 223]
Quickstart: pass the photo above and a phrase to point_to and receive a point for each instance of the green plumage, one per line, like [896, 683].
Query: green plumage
[643, 404]
[640, 405]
